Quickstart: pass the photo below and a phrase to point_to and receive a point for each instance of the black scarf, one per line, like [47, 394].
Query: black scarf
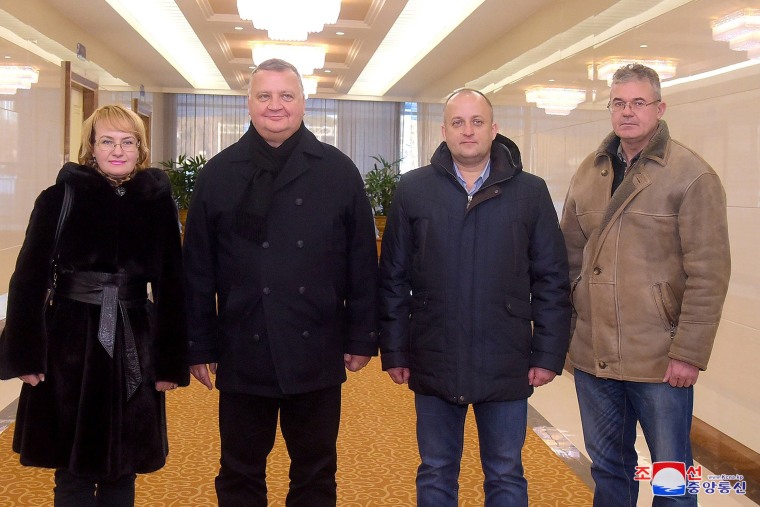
[250, 220]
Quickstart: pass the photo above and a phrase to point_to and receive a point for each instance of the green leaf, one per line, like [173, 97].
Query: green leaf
[380, 183]
[182, 175]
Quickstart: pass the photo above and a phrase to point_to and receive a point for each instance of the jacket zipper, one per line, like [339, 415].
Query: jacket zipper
[665, 309]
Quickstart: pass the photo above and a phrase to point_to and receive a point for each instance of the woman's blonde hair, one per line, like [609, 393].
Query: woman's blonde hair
[118, 118]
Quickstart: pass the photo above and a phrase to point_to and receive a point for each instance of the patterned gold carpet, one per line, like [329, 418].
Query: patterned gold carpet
[376, 467]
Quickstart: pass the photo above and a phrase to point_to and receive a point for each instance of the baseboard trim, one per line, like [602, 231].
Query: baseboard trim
[724, 455]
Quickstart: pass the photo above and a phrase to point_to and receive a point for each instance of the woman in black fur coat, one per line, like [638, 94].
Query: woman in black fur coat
[96, 367]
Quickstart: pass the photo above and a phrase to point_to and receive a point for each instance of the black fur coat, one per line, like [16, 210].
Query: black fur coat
[79, 417]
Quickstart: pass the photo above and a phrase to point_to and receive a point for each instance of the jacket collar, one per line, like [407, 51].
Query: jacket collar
[309, 145]
[242, 150]
[656, 150]
[505, 160]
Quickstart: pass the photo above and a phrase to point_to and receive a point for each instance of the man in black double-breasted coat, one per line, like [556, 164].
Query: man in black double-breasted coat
[281, 275]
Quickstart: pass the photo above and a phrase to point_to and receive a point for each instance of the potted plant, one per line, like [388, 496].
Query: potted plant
[380, 184]
[182, 175]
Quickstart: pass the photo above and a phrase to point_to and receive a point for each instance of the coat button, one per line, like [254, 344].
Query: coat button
[605, 172]
[256, 337]
[266, 290]
[301, 290]
[602, 365]
[373, 334]
[597, 271]
[461, 399]
[299, 243]
[265, 244]
[305, 334]
[299, 201]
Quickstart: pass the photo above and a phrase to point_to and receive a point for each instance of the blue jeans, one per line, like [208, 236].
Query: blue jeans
[609, 411]
[440, 437]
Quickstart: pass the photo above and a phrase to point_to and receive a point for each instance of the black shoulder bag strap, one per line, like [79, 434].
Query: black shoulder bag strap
[68, 198]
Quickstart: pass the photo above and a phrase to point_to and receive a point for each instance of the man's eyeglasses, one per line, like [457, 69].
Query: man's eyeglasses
[127, 145]
[617, 106]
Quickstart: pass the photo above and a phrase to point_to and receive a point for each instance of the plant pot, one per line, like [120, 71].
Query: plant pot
[182, 220]
[380, 224]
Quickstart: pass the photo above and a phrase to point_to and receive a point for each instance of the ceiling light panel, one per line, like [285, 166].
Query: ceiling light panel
[420, 27]
[162, 24]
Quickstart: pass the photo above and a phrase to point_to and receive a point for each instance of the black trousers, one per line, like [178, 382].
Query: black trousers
[248, 424]
[75, 491]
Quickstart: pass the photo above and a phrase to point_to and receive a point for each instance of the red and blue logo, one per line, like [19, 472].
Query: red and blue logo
[668, 478]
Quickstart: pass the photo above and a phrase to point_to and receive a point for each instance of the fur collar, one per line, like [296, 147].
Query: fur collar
[657, 148]
[148, 184]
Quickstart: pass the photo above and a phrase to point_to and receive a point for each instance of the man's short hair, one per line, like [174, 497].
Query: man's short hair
[277, 65]
[638, 72]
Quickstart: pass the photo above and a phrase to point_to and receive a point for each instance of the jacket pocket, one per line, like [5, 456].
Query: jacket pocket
[519, 308]
[237, 307]
[426, 331]
[665, 301]
[506, 337]
[574, 286]
[317, 305]
[417, 305]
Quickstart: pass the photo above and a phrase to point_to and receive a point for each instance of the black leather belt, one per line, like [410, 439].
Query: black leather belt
[114, 292]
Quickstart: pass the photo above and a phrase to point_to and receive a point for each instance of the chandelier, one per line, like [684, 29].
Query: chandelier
[289, 19]
[741, 30]
[309, 85]
[556, 101]
[606, 68]
[15, 77]
[305, 57]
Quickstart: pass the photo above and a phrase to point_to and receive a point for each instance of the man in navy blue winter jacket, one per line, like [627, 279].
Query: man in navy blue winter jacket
[475, 307]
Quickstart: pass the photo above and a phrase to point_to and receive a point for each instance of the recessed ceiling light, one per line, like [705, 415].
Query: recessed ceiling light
[327, 71]
[7, 56]
[552, 80]
[238, 28]
[340, 33]
[644, 46]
